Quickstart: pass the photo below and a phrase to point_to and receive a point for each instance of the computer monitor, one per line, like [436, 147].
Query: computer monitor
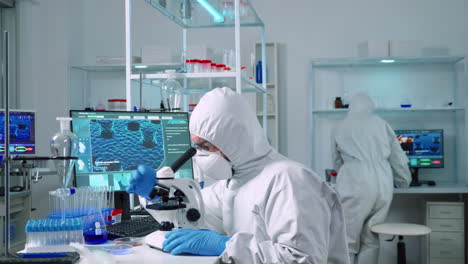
[112, 144]
[424, 147]
[22, 132]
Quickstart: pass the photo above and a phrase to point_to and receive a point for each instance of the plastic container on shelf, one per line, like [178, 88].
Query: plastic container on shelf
[191, 107]
[189, 64]
[197, 65]
[213, 67]
[220, 67]
[206, 65]
[258, 72]
[116, 105]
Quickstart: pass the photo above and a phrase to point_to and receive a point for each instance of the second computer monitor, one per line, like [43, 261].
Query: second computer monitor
[22, 132]
[424, 147]
[112, 144]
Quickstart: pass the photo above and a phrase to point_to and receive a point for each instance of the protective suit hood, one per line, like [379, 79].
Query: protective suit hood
[361, 104]
[225, 119]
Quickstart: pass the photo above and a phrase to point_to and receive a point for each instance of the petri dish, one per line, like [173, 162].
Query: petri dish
[134, 241]
[119, 249]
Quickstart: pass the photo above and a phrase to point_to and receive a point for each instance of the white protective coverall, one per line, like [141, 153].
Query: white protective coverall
[275, 210]
[366, 151]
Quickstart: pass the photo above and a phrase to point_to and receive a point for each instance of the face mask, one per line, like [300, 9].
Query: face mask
[213, 165]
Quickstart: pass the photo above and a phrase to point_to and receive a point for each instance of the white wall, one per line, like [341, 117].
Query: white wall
[43, 54]
[54, 34]
[309, 29]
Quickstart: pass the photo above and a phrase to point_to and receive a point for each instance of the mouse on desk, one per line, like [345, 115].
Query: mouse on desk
[12, 189]
[16, 188]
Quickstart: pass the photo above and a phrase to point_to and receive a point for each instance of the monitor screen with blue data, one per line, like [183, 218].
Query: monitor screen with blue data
[22, 132]
[112, 144]
[424, 147]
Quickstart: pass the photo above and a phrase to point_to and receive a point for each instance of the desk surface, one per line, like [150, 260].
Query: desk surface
[442, 188]
[146, 255]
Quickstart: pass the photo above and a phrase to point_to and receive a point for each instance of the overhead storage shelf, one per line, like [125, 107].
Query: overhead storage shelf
[249, 86]
[411, 109]
[385, 61]
[137, 68]
[206, 14]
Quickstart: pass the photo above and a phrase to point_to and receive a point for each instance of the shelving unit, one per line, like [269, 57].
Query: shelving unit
[199, 14]
[20, 212]
[272, 91]
[91, 77]
[437, 88]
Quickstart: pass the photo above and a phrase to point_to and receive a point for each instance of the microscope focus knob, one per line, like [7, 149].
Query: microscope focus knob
[193, 214]
[166, 226]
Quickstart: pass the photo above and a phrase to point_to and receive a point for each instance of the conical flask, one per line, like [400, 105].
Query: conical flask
[64, 144]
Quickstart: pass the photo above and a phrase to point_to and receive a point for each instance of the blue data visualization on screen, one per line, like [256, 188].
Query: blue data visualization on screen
[424, 148]
[112, 144]
[22, 132]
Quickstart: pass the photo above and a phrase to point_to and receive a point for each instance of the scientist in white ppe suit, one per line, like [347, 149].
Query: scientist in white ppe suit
[268, 209]
[370, 162]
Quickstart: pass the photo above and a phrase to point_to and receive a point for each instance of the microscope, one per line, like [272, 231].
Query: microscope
[179, 203]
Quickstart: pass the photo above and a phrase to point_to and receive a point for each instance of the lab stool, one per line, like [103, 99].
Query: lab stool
[400, 230]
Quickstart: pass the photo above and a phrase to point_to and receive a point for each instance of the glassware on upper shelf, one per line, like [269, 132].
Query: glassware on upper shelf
[228, 9]
[171, 92]
[405, 102]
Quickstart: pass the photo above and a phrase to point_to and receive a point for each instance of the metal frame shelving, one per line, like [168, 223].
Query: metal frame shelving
[185, 24]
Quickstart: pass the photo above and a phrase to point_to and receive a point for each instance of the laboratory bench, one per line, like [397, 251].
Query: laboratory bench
[438, 189]
[144, 254]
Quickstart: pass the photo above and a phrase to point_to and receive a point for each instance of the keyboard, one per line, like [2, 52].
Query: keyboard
[139, 212]
[135, 227]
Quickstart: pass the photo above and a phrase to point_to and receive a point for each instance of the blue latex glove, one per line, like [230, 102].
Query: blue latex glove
[198, 242]
[142, 181]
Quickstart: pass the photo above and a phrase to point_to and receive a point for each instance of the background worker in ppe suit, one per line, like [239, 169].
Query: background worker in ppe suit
[268, 209]
[366, 151]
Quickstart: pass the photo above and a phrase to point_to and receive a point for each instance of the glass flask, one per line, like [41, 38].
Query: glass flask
[64, 144]
[171, 92]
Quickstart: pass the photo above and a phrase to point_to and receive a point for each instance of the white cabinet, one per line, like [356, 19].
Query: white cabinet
[446, 243]
[435, 87]
[272, 116]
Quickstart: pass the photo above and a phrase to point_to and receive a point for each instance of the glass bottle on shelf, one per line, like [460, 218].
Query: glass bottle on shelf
[171, 92]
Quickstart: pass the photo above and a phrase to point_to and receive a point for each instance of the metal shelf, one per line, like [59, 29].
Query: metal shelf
[137, 68]
[195, 14]
[380, 110]
[249, 87]
[349, 62]
[442, 188]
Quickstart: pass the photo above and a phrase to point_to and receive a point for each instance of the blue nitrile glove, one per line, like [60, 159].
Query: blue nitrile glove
[198, 242]
[142, 181]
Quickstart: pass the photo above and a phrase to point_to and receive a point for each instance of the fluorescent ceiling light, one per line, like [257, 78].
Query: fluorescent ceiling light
[141, 66]
[217, 17]
[387, 61]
